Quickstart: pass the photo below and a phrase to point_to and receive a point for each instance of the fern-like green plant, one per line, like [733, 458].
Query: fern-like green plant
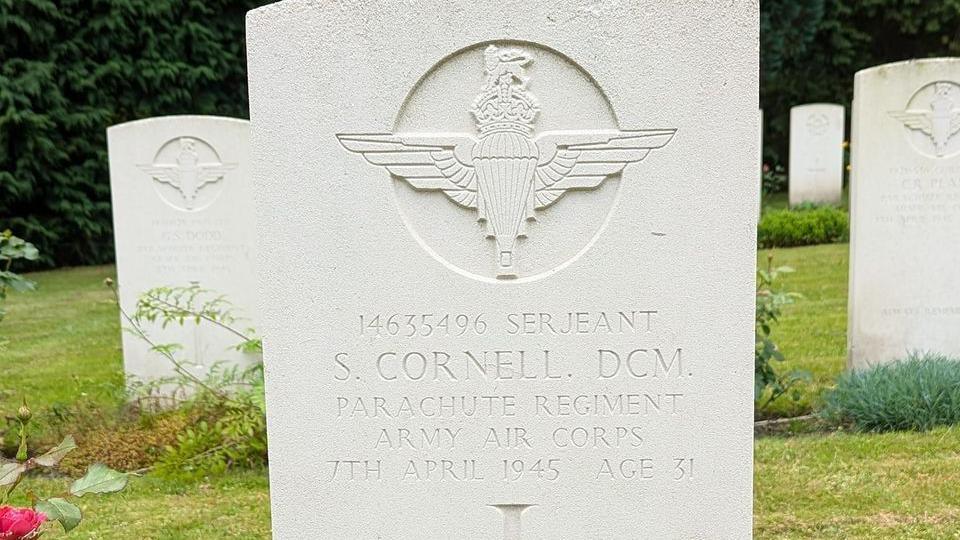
[230, 401]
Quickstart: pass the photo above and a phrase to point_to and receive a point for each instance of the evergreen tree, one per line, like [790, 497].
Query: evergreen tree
[72, 68]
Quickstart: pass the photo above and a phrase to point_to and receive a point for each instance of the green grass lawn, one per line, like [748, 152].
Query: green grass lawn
[813, 331]
[64, 341]
[897, 485]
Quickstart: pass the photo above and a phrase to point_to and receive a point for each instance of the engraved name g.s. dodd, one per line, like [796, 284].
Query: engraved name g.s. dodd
[506, 173]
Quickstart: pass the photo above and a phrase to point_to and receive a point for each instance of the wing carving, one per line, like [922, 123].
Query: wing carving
[165, 174]
[922, 121]
[584, 159]
[213, 173]
[426, 162]
[954, 124]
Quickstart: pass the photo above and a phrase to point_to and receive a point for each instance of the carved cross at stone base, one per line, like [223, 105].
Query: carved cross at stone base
[511, 519]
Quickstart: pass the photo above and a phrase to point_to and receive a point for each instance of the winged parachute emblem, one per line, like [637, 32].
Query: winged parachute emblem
[506, 173]
[188, 175]
[940, 123]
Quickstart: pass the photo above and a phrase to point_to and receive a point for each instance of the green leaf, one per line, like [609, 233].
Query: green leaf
[10, 472]
[30, 252]
[53, 456]
[16, 282]
[99, 479]
[57, 509]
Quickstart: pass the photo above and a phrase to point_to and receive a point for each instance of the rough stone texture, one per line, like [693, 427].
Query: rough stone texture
[364, 265]
[816, 153]
[183, 214]
[905, 211]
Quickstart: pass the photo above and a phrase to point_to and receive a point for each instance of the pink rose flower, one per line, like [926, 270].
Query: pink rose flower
[20, 523]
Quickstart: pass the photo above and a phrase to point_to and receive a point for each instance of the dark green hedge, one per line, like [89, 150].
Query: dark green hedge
[788, 228]
[69, 69]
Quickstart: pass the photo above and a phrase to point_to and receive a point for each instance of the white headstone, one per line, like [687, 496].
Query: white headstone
[816, 153]
[905, 211]
[182, 216]
[509, 291]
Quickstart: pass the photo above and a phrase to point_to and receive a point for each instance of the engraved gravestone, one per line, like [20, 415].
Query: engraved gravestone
[509, 292]
[816, 153]
[183, 216]
[905, 211]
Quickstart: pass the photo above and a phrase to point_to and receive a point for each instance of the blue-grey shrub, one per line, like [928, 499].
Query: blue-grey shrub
[917, 393]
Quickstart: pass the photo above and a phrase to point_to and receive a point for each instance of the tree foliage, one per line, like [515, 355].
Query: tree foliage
[69, 69]
[811, 49]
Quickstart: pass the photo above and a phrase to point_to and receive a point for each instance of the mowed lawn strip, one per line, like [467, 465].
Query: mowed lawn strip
[63, 340]
[864, 486]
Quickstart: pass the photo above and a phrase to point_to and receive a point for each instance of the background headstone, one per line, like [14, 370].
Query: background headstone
[816, 154]
[510, 287]
[905, 211]
[183, 215]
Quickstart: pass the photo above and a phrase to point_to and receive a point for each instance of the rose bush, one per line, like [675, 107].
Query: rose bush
[20, 523]
[24, 523]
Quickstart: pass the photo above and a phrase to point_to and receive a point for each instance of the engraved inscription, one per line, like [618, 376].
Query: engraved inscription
[506, 173]
[925, 312]
[531, 395]
[184, 169]
[415, 430]
[919, 196]
[932, 117]
[192, 244]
